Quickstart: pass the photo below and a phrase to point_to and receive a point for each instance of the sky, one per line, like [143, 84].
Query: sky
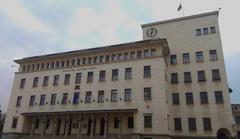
[29, 28]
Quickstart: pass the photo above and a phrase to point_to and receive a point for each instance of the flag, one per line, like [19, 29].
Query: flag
[179, 7]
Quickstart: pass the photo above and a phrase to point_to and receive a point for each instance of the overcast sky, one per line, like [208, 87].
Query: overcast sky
[35, 27]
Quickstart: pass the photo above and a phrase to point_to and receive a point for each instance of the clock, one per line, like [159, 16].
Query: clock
[151, 32]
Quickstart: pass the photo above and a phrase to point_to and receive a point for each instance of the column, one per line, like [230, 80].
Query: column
[79, 133]
[44, 125]
[67, 126]
[105, 125]
[92, 125]
[33, 125]
[55, 123]
[120, 125]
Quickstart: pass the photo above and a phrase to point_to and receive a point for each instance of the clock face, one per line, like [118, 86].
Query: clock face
[151, 32]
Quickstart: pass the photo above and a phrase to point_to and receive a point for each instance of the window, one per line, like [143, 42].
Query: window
[42, 66]
[68, 62]
[192, 124]
[114, 95]
[113, 57]
[37, 66]
[189, 98]
[33, 67]
[106, 58]
[199, 56]
[175, 99]
[207, 124]
[128, 73]
[42, 99]
[173, 59]
[45, 81]
[102, 74]
[213, 55]
[115, 74]
[53, 99]
[28, 67]
[139, 54]
[32, 100]
[35, 82]
[218, 97]
[76, 98]
[14, 122]
[84, 60]
[147, 72]
[88, 97]
[56, 80]
[90, 77]
[187, 77]
[212, 30]
[100, 96]
[216, 75]
[132, 55]
[146, 53]
[47, 65]
[127, 96]
[116, 122]
[22, 83]
[57, 64]
[24, 68]
[126, 56]
[147, 93]
[205, 31]
[62, 64]
[201, 76]
[78, 78]
[78, 61]
[198, 32]
[89, 60]
[148, 121]
[130, 122]
[65, 98]
[101, 59]
[203, 97]
[237, 120]
[153, 52]
[186, 58]
[95, 59]
[19, 101]
[177, 124]
[52, 65]
[119, 57]
[67, 79]
[174, 78]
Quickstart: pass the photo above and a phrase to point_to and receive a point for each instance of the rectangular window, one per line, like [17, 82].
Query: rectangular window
[101, 59]
[216, 75]
[42, 99]
[114, 95]
[84, 60]
[213, 55]
[89, 60]
[198, 32]
[207, 124]
[128, 94]
[132, 55]
[53, 99]
[175, 99]
[45, 81]
[147, 72]
[186, 58]
[62, 64]
[139, 54]
[205, 31]
[78, 78]
[22, 83]
[126, 56]
[189, 98]
[114, 58]
[57, 64]
[147, 121]
[147, 93]
[78, 61]
[106, 58]
[212, 30]
[32, 100]
[128, 73]
[68, 63]
[35, 82]
[42, 66]
[90, 77]
[201, 76]
[116, 122]
[119, 56]
[219, 97]
[173, 59]
[199, 56]
[102, 75]
[47, 65]
[95, 59]
[174, 78]
[76, 98]
[153, 52]
[115, 74]
[65, 98]
[88, 97]
[67, 79]
[52, 65]
[32, 67]
[146, 53]
[56, 80]
[187, 77]
[130, 122]
[203, 97]
[192, 124]
[237, 119]
[177, 124]
[19, 101]
[100, 96]
[73, 62]
[14, 122]
[24, 68]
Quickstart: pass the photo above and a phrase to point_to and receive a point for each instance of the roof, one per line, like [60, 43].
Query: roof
[181, 18]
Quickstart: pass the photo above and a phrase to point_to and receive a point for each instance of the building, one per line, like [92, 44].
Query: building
[236, 115]
[170, 85]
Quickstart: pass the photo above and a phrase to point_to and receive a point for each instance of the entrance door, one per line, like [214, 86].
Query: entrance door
[89, 126]
[58, 126]
[102, 126]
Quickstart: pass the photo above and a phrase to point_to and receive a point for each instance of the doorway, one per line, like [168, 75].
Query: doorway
[102, 122]
[89, 126]
[58, 126]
